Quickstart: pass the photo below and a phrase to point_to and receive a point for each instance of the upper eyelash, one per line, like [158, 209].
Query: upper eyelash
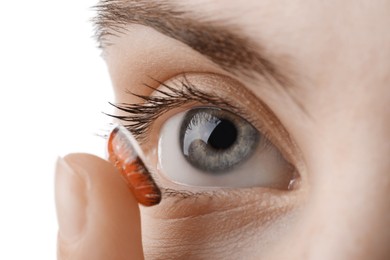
[140, 116]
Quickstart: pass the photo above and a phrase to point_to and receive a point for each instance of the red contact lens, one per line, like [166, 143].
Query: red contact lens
[125, 153]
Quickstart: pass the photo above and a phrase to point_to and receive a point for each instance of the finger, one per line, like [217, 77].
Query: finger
[97, 214]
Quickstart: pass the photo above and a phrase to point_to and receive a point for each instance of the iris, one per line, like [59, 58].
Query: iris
[215, 140]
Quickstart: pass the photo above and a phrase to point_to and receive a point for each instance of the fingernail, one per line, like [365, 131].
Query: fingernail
[71, 201]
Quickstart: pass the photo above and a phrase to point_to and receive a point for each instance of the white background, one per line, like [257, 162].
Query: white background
[53, 87]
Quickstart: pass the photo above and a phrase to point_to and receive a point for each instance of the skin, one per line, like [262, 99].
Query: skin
[339, 53]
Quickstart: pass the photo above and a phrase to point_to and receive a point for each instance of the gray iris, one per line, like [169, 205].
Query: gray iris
[215, 140]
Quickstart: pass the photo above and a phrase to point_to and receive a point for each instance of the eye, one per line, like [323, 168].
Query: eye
[211, 131]
[212, 147]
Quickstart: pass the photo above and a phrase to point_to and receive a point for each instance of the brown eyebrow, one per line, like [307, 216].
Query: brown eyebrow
[221, 43]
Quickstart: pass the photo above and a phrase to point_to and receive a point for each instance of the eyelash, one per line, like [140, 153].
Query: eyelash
[140, 116]
[185, 194]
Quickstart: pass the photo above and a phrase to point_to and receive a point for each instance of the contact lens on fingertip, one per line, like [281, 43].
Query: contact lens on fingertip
[126, 155]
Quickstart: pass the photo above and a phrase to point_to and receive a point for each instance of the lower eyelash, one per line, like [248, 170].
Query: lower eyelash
[140, 116]
[184, 194]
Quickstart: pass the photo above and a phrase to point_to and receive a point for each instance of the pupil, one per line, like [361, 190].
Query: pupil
[223, 136]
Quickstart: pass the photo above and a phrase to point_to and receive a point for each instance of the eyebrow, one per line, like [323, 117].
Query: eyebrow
[221, 43]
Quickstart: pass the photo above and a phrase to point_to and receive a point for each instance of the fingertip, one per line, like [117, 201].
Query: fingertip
[112, 220]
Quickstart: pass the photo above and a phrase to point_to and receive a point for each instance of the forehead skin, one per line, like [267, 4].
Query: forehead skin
[339, 54]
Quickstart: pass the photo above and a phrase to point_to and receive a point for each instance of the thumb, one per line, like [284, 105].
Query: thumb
[98, 216]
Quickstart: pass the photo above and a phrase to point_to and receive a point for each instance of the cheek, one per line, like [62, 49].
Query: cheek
[203, 235]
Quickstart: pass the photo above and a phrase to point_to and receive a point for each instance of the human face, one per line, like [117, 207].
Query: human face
[313, 75]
